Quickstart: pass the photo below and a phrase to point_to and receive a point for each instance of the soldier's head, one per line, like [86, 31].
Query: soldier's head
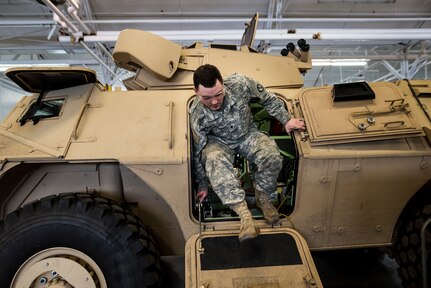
[208, 84]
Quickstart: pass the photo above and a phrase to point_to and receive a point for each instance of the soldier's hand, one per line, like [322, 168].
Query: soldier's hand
[202, 194]
[294, 124]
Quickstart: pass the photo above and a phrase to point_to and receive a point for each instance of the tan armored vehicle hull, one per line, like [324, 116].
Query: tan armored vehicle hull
[102, 185]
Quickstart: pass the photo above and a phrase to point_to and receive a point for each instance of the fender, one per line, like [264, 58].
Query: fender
[27, 182]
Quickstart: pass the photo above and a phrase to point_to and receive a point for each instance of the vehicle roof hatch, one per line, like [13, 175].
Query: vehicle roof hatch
[385, 115]
[136, 49]
[250, 31]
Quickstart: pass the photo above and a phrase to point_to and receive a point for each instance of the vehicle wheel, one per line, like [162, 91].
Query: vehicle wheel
[76, 240]
[407, 247]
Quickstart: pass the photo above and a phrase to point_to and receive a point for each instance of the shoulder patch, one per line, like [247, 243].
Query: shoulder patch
[260, 88]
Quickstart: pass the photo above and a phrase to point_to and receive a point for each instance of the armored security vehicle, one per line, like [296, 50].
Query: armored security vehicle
[96, 187]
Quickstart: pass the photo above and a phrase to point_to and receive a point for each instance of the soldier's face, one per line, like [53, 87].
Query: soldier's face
[211, 97]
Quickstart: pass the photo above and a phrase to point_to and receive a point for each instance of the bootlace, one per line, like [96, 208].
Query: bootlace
[245, 216]
[243, 213]
[265, 201]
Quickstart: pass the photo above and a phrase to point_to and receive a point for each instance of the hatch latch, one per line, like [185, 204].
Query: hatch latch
[396, 105]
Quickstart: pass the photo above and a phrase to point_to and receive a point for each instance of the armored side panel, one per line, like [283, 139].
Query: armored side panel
[361, 162]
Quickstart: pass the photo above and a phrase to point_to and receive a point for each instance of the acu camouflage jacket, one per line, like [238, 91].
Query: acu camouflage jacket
[232, 121]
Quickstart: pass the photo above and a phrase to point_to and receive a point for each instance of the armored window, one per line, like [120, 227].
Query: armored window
[42, 110]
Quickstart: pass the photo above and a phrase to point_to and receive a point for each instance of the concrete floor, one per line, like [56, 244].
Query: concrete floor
[364, 268]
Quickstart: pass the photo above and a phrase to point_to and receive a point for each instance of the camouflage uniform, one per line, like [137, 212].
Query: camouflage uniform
[219, 135]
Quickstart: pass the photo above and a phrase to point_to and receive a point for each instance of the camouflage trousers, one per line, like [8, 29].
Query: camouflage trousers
[260, 150]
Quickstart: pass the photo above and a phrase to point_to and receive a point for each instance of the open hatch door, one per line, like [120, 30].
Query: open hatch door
[43, 80]
[360, 113]
[278, 257]
[250, 31]
[54, 110]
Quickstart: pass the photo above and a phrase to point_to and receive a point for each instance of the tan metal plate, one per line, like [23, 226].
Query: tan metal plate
[52, 135]
[279, 257]
[348, 121]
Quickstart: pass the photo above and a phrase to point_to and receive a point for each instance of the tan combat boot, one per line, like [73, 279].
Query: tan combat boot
[249, 228]
[270, 213]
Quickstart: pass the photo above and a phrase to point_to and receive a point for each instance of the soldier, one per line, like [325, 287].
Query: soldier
[223, 126]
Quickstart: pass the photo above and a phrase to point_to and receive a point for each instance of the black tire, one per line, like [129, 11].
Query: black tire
[407, 246]
[108, 234]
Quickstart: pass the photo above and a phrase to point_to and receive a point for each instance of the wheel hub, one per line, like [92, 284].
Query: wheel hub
[59, 268]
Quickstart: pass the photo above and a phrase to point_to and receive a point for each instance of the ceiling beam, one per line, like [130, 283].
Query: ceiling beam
[19, 22]
[273, 34]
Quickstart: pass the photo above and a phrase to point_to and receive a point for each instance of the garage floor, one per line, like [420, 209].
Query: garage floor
[356, 268]
[364, 268]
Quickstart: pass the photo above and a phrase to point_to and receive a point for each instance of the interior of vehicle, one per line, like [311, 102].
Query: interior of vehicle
[212, 208]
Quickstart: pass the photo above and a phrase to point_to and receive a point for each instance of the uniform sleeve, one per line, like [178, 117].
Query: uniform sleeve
[273, 105]
[200, 139]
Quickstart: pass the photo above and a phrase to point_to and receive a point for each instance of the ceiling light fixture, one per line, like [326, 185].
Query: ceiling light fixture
[272, 34]
[339, 62]
[357, 1]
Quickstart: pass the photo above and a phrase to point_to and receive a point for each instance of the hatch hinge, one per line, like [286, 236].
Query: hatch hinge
[298, 114]
[310, 282]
